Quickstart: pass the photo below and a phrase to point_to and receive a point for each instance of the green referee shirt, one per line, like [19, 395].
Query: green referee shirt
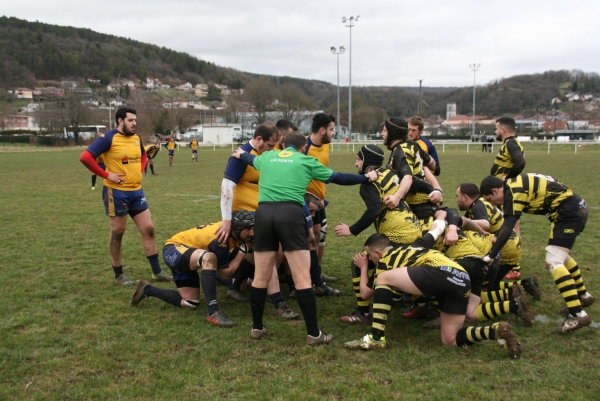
[285, 174]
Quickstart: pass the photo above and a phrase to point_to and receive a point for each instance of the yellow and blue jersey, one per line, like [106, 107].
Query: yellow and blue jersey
[321, 153]
[245, 193]
[122, 154]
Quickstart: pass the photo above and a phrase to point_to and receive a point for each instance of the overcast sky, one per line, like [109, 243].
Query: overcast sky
[393, 43]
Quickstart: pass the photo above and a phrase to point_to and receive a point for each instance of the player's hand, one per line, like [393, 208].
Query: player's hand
[391, 201]
[440, 215]
[343, 230]
[373, 175]
[224, 231]
[435, 197]
[361, 261]
[238, 153]
[451, 237]
[116, 178]
[487, 260]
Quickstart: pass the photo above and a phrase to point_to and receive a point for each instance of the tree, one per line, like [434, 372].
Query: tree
[261, 94]
[232, 112]
[294, 104]
[75, 114]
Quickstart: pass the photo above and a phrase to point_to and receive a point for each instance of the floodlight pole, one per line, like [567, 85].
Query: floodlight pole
[349, 24]
[475, 68]
[337, 52]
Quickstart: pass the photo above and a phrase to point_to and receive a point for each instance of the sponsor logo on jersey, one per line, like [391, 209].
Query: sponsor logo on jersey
[124, 160]
[569, 231]
[285, 153]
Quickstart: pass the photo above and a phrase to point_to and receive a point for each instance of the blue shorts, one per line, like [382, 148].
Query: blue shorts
[194, 151]
[309, 221]
[122, 203]
[171, 152]
[177, 257]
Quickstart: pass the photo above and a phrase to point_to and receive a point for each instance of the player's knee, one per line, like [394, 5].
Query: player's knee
[555, 257]
[323, 235]
[208, 261]
[190, 303]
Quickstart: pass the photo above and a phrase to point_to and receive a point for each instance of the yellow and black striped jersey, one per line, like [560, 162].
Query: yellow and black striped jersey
[408, 255]
[400, 224]
[504, 162]
[481, 209]
[534, 194]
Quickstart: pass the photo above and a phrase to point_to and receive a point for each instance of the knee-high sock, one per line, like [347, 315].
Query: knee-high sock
[382, 304]
[471, 335]
[491, 310]
[363, 306]
[308, 306]
[169, 296]
[567, 288]
[242, 274]
[495, 296]
[208, 281]
[257, 305]
[573, 268]
[315, 270]
[154, 263]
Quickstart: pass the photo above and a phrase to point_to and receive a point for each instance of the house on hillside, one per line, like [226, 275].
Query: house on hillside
[550, 126]
[461, 121]
[113, 87]
[59, 92]
[185, 87]
[90, 101]
[87, 91]
[92, 79]
[19, 123]
[68, 84]
[24, 93]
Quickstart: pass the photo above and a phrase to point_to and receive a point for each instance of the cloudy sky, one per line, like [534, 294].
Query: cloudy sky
[394, 42]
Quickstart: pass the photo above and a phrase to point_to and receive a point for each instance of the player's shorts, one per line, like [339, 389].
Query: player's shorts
[177, 257]
[309, 220]
[122, 203]
[319, 217]
[280, 222]
[477, 270]
[451, 287]
[194, 151]
[171, 152]
[151, 156]
[568, 221]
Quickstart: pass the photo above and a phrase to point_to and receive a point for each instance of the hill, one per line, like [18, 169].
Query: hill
[34, 52]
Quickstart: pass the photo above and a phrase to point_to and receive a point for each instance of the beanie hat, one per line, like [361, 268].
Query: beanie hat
[371, 155]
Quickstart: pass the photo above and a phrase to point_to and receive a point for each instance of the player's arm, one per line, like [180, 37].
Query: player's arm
[89, 161]
[480, 215]
[144, 157]
[362, 262]
[517, 157]
[372, 200]
[405, 177]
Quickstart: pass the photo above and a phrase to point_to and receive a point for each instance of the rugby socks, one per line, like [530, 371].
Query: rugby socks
[382, 304]
[308, 306]
[169, 296]
[363, 306]
[151, 168]
[567, 288]
[208, 281]
[242, 274]
[471, 335]
[491, 310]
[257, 305]
[93, 180]
[154, 263]
[315, 270]
[118, 270]
[276, 299]
[496, 296]
[573, 268]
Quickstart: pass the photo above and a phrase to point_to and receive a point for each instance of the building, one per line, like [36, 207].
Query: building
[24, 93]
[18, 123]
[92, 79]
[450, 110]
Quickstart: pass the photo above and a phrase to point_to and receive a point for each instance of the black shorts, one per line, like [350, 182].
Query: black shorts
[280, 222]
[320, 217]
[568, 222]
[450, 287]
[177, 257]
[477, 270]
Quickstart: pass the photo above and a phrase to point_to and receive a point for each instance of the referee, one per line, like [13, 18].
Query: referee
[284, 176]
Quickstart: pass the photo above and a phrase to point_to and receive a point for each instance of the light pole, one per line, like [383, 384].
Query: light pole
[337, 53]
[475, 68]
[349, 24]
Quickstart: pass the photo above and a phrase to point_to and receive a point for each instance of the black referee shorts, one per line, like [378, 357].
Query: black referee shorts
[280, 222]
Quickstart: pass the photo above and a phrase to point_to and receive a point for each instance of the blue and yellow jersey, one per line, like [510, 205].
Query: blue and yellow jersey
[534, 194]
[122, 154]
[171, 145]
[321, 153]
[203, 237]
[245, 193]
[100, 161]
[151, 150]
[194, 144]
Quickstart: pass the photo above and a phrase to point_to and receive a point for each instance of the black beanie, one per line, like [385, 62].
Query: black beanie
[397, 129]
[371, 155]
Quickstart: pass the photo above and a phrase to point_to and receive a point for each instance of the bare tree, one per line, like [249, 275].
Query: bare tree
[260, 93]
[75, 114]
[232, 112]
[294, 104]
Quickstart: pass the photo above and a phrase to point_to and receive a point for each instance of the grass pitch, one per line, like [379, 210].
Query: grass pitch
[67, 331]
